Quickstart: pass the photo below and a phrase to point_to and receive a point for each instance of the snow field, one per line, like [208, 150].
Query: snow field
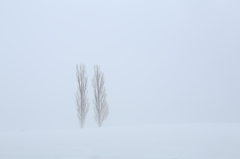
[166, 141]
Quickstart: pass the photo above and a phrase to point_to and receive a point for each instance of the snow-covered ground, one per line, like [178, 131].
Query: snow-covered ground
[166, 141]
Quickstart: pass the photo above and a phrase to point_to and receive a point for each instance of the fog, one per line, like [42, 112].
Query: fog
[163, 61]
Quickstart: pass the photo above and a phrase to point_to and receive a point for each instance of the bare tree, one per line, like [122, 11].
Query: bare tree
[81, 94]
[100, 103]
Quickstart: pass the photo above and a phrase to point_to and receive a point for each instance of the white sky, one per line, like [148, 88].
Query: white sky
[164, 61]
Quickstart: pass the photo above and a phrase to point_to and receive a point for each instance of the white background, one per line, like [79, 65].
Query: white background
[164, 61]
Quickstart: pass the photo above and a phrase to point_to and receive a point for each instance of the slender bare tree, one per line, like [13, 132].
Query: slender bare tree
[81, 94]
[100, 103]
